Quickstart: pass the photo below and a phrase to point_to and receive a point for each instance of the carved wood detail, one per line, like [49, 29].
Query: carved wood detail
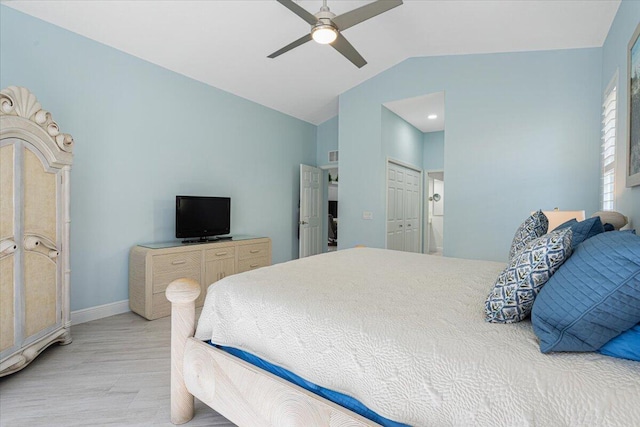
[18, 101]
[7, 247]
[41, 245]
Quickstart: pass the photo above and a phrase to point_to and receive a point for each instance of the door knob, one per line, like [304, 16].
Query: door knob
[303, 222]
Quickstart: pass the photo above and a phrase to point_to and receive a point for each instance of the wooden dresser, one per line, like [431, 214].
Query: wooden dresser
[152, 267]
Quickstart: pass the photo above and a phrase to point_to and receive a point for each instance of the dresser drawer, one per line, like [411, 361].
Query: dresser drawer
[256, 250]
[252, 263]
[152, 268]
[167, 268]
[219, 253]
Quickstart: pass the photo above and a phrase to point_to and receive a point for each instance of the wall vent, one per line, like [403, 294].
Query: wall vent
[333, 156]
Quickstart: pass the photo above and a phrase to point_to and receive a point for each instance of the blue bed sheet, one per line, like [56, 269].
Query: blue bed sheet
[334, 396]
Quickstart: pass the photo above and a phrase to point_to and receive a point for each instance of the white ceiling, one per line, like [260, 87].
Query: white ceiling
[417, 111]
[225, 43]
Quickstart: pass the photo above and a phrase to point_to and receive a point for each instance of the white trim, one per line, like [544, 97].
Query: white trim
[403, 164]
[330, 166]
[99, 312]
[612, 83]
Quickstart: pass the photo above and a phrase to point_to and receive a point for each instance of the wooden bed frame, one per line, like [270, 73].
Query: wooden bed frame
[241, 392]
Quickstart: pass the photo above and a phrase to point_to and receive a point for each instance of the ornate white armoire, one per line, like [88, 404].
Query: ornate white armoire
[35, 161]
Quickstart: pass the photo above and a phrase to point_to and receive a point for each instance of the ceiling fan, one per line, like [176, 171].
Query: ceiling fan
[326, 27]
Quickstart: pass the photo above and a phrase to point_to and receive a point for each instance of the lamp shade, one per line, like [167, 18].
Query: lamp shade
[614, 218]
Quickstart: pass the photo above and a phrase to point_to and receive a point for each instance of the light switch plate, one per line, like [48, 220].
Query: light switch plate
[367, 215]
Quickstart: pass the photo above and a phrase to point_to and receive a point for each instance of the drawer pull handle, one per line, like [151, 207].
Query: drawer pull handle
[221, 253]
[254, 265]
[179, 262]
[254, 251]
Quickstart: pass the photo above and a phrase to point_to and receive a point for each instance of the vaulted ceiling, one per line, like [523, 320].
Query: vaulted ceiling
[225, 43]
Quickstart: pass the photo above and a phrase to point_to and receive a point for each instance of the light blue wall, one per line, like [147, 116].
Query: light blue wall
[523, 132]
[614, 58]
[433, 151]
[400, 140]
[327, 140]
[144, 134]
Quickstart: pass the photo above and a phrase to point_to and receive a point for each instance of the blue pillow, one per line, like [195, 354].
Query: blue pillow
[593, 297]
[516, 287]
[534, 226]
[625, 346]
[582, 230]
[566, 224]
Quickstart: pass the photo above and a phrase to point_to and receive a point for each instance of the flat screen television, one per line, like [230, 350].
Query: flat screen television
[202, 217]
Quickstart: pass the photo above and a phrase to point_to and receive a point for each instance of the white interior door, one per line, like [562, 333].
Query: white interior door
[395, 207]
[404, 228]
[412, 214]
[310, 211]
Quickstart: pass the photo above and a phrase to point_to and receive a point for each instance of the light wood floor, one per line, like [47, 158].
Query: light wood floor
[114, 373]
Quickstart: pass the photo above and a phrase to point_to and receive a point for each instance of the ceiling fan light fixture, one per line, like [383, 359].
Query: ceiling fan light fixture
[324, 33]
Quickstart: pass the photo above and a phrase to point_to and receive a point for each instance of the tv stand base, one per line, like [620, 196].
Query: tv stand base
[208, 239]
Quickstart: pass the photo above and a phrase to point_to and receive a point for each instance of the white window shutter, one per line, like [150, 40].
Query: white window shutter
[609, 148]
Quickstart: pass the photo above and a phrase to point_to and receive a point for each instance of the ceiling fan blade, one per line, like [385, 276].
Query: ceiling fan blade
[348, 51]
[368, 11]
[301, 40]
[299, 10]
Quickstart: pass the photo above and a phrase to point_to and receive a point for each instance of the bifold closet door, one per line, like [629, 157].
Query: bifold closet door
[403, 208]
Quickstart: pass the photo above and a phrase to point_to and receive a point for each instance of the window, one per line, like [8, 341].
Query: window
[609, 147]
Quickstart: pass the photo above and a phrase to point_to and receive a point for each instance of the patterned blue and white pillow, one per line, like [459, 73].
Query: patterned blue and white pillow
[532, 228]
[515, 289]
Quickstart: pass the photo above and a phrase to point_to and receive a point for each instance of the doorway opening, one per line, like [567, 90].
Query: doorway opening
[434, 208]
[413, 131]
[332, 208]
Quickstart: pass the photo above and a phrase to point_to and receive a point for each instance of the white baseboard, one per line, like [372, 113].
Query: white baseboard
[100, 311]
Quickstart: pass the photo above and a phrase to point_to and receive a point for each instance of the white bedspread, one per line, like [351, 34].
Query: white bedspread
[405, 334]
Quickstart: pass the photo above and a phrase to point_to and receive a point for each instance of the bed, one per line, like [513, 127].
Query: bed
[403, 333]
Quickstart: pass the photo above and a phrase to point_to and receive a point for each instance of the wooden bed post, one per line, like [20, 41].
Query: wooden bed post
[182, 294]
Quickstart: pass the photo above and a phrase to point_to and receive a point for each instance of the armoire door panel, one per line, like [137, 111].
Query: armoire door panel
[7, 189]
[40, 292]
[34, 228]
[7, 315]
[40, 204]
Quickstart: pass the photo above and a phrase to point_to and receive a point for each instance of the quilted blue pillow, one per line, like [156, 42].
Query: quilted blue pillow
[625, 346]
[532, 228]
[583, 230]
[517, 286]
[593, 298]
